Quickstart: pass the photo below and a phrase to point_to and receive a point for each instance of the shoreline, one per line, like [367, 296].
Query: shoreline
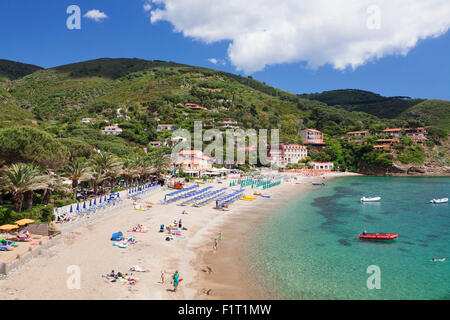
[89, 247]
[231, 277]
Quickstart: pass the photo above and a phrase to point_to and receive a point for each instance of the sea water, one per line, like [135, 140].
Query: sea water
[309, 249]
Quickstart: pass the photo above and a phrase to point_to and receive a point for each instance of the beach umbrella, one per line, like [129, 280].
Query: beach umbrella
[8, 227]
[100, 200]
[95, 201]
[84, 205]
[71, 209]
[24, 222]
[78, 206]
[90, 203]
[104, 199]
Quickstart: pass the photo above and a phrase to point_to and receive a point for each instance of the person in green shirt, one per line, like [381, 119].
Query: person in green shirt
[176, 281]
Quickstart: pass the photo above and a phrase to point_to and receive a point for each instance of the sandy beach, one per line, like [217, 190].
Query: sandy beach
[90, 249]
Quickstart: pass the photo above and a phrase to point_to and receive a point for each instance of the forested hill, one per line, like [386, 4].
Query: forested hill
[366, 101]
[14, 70]
[138, 95]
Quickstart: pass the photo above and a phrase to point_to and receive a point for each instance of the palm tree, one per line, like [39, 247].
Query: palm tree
[96, 176]
[106, 165]
[20, 179]
[129, 170]
[53, 183]
[159, 161]
[76, 171]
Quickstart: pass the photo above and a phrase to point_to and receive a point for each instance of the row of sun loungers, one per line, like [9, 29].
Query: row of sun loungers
[209, 197]
[195, 194]
[229, 199]
[79, 210]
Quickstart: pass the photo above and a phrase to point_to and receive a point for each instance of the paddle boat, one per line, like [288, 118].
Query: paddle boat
[378, 236]
[247, 198]
[442, 200]
[373, 199]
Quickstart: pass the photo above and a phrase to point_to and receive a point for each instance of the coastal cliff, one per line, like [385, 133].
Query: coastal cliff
[435, 164]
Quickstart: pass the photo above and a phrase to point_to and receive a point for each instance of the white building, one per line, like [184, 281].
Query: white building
[285, 154]
[320, 165]
[114, 129]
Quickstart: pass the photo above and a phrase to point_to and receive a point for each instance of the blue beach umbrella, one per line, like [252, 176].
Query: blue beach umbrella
[100, 200]
[95, 201]
[104, 199]
[71, 209]
[84, 205]
[90, 203]
[78, 206]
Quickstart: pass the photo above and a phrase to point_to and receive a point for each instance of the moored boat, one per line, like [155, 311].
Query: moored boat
[373, 199]
[442, 200]
[378, 236]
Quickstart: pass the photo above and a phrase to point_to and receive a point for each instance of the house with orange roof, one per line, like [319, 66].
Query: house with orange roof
[312, 137]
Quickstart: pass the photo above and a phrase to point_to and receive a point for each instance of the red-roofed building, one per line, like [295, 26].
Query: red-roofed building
[395, 132]
[358, 134]
[312, 137]
[194, 106]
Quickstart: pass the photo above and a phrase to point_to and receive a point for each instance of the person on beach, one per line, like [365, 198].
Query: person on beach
[216, 244]
[220, 236]
[179, 224]
[176, 279]
[162, 276]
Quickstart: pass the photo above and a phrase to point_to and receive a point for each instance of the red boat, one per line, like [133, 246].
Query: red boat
[378, 236]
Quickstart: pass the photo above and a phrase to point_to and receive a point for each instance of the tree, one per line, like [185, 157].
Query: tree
[77, 172]
[20, 179]
[159, 161]
[26, 144]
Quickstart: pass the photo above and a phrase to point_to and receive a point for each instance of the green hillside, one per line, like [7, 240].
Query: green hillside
[14, 70]
[138, 95]
[10, 112]
[436, 112]
[430, 112]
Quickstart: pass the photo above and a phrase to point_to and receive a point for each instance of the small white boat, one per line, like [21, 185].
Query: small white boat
[364, 199]
[442, 200]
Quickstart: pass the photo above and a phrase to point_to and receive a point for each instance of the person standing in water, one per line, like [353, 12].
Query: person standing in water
[220, 236]
[176, 280]
[216, 244]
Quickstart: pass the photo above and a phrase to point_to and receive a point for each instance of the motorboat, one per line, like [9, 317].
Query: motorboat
[373, 199]
[378, 236]
[442, 200]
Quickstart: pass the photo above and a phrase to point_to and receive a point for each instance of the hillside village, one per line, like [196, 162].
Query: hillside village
[131, 107]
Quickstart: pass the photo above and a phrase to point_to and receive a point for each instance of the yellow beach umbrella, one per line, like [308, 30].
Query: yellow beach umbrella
[24, 222]
[8, 227]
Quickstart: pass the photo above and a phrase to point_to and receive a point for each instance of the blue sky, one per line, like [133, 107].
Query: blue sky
[35, 32]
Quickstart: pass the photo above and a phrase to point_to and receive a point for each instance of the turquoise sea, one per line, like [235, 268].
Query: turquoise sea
[309, 248]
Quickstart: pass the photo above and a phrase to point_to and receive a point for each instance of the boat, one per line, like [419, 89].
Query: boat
[265, 196]
[378, 236]
[442, 200]
[373, 199]
[318, 183]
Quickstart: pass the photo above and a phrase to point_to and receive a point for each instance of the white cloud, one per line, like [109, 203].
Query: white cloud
[147, 6]
[343, 33]
[217, 61]
[96, 15]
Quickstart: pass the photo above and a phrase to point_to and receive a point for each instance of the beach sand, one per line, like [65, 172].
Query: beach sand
[90, 249]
